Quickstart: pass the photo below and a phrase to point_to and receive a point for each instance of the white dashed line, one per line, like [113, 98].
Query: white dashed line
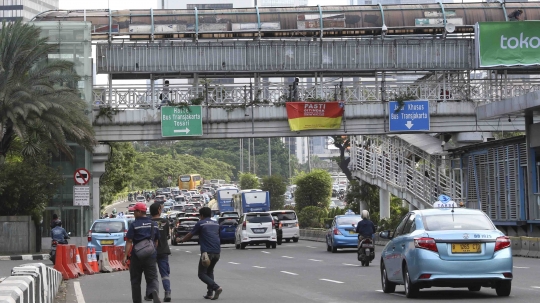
[538, 287]
[351, 264]
[287, 257]
[315, 260]
[259, 266]
[333, 281]
[188, 251]
[198, 254]
[311, 247]
[289, 273]
[521, 267]
[265, 252]
[234, 263]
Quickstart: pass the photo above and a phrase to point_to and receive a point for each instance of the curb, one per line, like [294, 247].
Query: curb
[25, 257]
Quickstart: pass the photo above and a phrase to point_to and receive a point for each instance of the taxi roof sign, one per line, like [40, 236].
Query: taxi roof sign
[349, 212]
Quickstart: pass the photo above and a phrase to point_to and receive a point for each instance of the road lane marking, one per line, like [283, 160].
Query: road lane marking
[198, 254]
[393, 293]
[315, 260]
[287, 257]
[538, 287]
[311, 247]
[259, 266]
[520, 267]
[234, 263]
[333, 281]
[188, 251]
[265, 252]
[78, 292]
[351, 264]
[289, 273]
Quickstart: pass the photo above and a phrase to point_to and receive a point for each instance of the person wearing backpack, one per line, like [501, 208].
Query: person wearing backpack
[142, 239]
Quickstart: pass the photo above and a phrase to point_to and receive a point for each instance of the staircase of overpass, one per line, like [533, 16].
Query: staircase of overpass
[411, 166]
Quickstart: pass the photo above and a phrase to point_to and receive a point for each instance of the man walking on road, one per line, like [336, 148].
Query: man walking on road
[208, 232]
[142, 229]
[163, 250]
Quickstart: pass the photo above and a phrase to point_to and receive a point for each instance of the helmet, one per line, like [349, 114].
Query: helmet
[140, 206]
[57, 223]
[365, 214]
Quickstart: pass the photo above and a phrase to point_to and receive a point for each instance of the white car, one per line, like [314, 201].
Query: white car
[254, 228]
[289, 225]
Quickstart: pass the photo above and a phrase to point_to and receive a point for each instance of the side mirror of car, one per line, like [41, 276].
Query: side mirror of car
[385, 234]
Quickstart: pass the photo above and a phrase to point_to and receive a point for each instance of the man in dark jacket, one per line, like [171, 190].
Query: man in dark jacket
[139, 230]
[365, 228]
[163, 250]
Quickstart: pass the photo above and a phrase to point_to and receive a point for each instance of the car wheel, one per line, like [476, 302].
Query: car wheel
[328, 248]
[237, 246]
[411, 290]
[243, 245]
[173, 242]
[274, 245]
[334, 249]
[387, 286]
[268, 245]
[503, 288]
[295, 240]
[474, 288]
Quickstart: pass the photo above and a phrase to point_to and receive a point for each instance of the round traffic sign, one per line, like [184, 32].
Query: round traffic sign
[81, 176]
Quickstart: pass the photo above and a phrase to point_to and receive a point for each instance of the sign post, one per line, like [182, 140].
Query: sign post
[414, 116]
[81, 197]
[181, 121]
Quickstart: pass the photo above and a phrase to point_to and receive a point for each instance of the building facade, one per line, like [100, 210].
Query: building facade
[24, 10]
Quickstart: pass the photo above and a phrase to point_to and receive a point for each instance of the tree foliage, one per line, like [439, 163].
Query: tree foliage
[276, 186]
[248, 181]
[311, 216]
[39, 98]
[313, 189]
[119, 172]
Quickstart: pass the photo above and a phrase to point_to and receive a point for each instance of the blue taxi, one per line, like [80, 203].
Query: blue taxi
[342, 232]
[446, 247]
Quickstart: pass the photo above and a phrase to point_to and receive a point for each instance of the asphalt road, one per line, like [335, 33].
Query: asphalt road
[295, 272]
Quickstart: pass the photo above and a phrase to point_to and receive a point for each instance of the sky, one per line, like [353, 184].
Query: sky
[144, 4]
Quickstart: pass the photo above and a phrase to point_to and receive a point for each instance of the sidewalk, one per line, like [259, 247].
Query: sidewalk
[25, 257]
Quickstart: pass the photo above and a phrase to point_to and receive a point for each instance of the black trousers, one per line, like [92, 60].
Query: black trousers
[136, 268]
[206, 274]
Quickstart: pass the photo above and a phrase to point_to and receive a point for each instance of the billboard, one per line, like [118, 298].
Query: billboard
[508, 43]
[314, 115]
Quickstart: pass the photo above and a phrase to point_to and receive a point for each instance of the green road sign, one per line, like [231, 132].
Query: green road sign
[181, 122]
[508, 43]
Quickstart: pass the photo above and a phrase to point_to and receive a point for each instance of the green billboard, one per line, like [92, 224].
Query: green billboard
[181, 121]
[508, 43]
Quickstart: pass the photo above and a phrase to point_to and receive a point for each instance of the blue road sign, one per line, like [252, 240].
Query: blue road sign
[414, 116]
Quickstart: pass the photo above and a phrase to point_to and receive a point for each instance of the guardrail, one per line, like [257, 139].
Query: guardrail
[33, 282]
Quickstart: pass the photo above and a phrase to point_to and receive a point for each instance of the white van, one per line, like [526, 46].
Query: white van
[289, 224]
[256, 227]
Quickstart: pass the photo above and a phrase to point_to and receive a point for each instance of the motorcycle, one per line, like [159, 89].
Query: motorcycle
[54, 243]
[366, 251]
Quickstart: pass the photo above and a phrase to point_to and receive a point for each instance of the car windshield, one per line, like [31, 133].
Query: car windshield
[258, 218]
[197, 204]
[108, 227]
[285, 216]
[457, 222]
[348, 220]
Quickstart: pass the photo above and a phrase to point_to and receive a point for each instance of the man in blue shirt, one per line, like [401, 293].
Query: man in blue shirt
[208, 231]
[139, 230]
[58, 233]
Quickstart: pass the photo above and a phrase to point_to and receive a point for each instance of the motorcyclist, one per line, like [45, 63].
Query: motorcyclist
[365, 228]
[58, 233]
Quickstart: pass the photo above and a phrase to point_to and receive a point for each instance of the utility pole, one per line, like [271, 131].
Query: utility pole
[254, 159]
[269, 158]
[241, 155]
[289, 159]
[249, 155]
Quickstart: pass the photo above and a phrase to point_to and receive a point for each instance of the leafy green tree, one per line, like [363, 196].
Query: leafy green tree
[311, 216]
[119, 172]
[397, 212]
[248, 181]
[313, 189]
[39, 99]
[276, 186]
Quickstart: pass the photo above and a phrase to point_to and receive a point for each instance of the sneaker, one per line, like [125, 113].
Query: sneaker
[217, 293]
[167, 297]
[155, 296]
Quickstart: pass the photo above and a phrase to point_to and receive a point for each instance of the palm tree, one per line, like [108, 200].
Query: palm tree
[39, 101]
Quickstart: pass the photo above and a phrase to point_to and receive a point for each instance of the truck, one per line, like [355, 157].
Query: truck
[251, 200]
[224, 197]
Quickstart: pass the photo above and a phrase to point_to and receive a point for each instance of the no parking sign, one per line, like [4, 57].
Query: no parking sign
[81, 176]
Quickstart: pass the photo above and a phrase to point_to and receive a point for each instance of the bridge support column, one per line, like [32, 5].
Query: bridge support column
[99, 157]
[384, 200]
[411, 207]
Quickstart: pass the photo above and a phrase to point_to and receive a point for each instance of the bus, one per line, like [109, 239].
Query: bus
[189, 182]
[224, 196]
[251, 200]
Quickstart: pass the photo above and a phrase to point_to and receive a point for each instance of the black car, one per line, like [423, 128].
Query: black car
[182, 228]
[279, 230]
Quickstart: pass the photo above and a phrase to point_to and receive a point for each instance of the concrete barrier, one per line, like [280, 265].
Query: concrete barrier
[516, 245]
[32, 283]
[525, 246]
[534, 249]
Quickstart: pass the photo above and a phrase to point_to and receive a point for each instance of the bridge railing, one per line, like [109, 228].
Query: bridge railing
[136, 96]
[405, 167]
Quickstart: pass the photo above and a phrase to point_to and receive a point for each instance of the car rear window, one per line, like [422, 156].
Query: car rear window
[285, 215]
[229, 215]
[258, 218]
[189, 222]
[457, 222]
[108, 227]
[348, 220]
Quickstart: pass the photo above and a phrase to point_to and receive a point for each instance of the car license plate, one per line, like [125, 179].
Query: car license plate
[352, 232]
[107, 242]
[466, 248]
[258, 230]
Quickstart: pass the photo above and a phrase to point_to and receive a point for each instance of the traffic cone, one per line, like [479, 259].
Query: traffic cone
[78, 258]
[95, 265]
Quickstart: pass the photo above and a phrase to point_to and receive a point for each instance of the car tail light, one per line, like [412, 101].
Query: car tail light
[89, 236]
[426, 243]
[367, 241]
[244, 225]
[336, 231]
[297, 225]
[508, 274]
[425, 276]
[54, 242]
[502, 242]
[125, 235]
[273, 225]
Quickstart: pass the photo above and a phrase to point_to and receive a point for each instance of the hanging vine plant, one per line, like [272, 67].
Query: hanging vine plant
[402, 97]
[107, 112]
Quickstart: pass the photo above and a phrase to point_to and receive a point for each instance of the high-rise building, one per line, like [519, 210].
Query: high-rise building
[25, 10]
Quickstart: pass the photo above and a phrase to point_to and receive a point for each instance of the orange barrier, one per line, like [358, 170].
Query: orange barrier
[73, 255]
[84, 261]
[112, 257]
[78, 259]
[64, 252]
[60, 261]
[120, 255]
[95, 266]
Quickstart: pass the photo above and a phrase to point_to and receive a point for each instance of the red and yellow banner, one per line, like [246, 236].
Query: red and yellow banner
[314, 115]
